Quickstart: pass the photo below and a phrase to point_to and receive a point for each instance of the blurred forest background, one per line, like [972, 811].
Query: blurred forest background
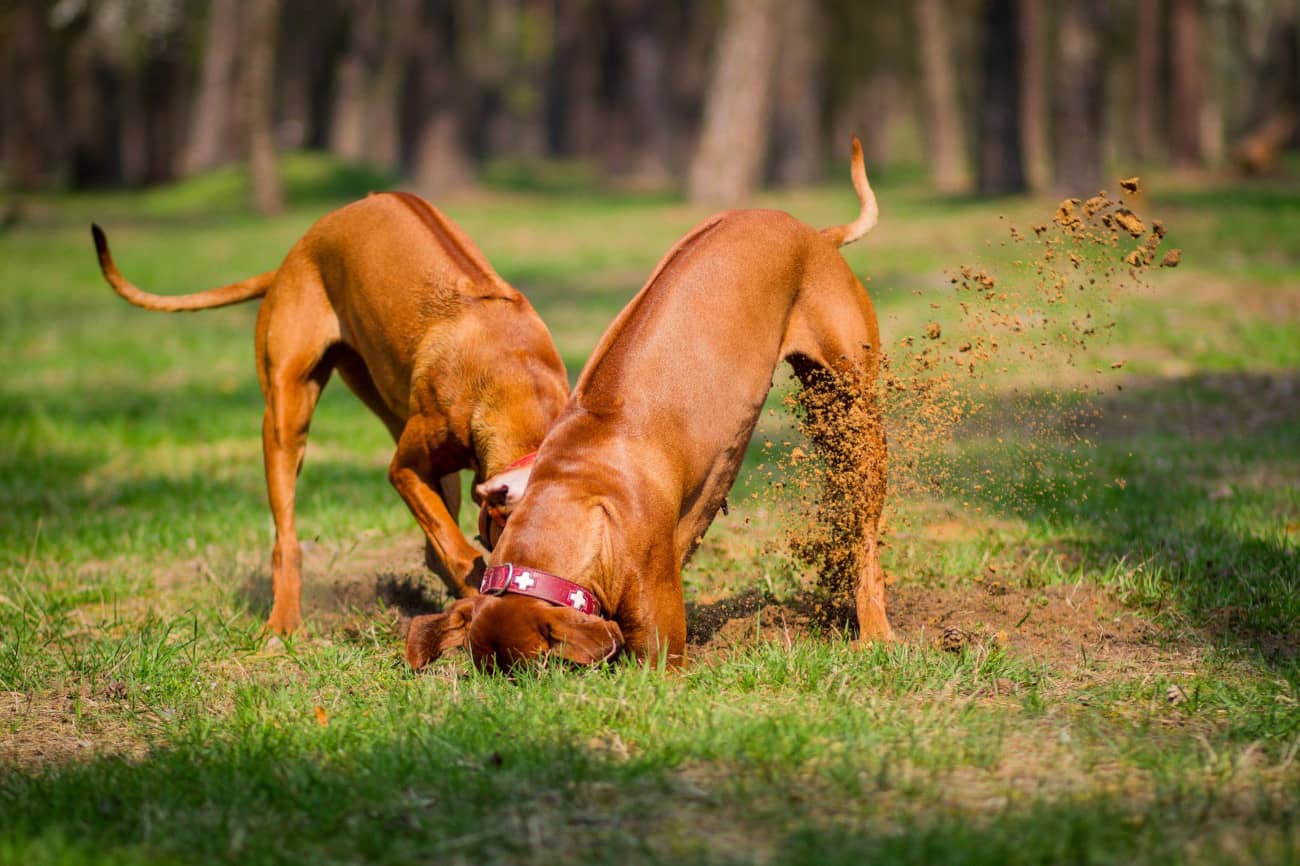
[714, 98]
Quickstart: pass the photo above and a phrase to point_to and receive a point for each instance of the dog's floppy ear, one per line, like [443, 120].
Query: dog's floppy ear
[488, 531]
[580, 637]
[433, 634]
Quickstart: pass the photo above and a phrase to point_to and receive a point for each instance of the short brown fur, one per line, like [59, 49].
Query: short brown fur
[392, 295]
[641, 458]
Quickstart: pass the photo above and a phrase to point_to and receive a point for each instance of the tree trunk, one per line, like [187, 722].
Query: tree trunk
[1001, 165]
[691, 50]
[943, 125]
[348, 124]
[384, 91]
[870, 112]
[561, 76]
[94, 119]
[647, 85]
[212, 135]
[303, 70]
[729, 158]
[1268, 120]
[258, 90]
[164, 99]
[1186, 85]
[1033, 95]
[439, 160]
[797, 121]
[31, 127]
[1147, 79]
[1080, 98]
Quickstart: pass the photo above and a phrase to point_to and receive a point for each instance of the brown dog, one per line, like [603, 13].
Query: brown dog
[392, 294]
[638, 463]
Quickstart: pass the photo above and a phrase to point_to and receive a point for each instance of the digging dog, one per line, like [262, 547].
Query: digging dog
[394, 297]
[642, 456]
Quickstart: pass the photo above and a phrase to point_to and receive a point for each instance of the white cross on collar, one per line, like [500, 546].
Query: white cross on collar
[524, 580]
[578, 599]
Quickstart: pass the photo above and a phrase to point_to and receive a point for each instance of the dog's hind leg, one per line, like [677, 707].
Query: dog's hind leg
[833, 345]
[293, 367]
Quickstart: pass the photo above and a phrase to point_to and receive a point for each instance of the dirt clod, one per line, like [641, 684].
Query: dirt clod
[952, 639]
[1129, 222]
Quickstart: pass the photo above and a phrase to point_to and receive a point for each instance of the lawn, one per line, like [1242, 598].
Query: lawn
[1095, 579]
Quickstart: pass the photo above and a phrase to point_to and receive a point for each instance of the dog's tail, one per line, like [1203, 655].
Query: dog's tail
[244, 290]
[866, 221]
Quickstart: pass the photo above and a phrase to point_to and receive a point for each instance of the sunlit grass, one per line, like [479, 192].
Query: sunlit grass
[144, 719]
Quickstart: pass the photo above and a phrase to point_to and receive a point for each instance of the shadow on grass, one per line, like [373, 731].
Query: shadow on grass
[1189, 495]
[409, 594]
[476, 789]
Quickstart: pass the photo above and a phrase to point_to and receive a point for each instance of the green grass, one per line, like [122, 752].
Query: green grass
[1119, 549]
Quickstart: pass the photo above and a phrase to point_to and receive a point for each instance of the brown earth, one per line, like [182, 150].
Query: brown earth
[1060, 625]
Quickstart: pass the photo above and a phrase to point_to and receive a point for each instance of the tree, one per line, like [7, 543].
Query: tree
[1146, 73]
[1267, 121]
[352, 80]
[212, 134]
[30, 122]
[648, 57]
[945, 141]
[93, 117]
[1033, 94]
[439, 158]
[1001, 164]
[797, 121]
[257, 88]
[1080, 97]
[1186, 84]
[729, 158]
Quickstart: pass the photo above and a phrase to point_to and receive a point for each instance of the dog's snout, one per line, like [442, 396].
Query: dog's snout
[493, 493]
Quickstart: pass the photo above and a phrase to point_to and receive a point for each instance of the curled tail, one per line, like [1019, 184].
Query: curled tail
[866, 221]
[244, 290]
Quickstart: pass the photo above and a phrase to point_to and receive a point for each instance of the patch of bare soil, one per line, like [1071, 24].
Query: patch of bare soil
[345, 581]
[1066, 626]
[345, 586]
[63, 725]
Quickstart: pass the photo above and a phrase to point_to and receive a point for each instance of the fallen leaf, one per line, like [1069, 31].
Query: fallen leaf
[321, 718]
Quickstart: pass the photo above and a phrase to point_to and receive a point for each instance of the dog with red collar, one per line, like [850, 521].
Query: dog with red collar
[642, 456]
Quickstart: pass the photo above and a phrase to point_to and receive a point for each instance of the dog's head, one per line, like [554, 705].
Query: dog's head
[497, 498]
[502, 632]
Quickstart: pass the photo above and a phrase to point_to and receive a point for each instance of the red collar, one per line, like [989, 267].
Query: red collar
[500, 579]
[527, 460]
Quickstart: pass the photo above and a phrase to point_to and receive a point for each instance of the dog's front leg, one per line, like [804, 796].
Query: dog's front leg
[461, 563]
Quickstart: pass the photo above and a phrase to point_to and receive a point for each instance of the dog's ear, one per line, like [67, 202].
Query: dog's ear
[580, 637]
[433, 634]
[488, 530]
